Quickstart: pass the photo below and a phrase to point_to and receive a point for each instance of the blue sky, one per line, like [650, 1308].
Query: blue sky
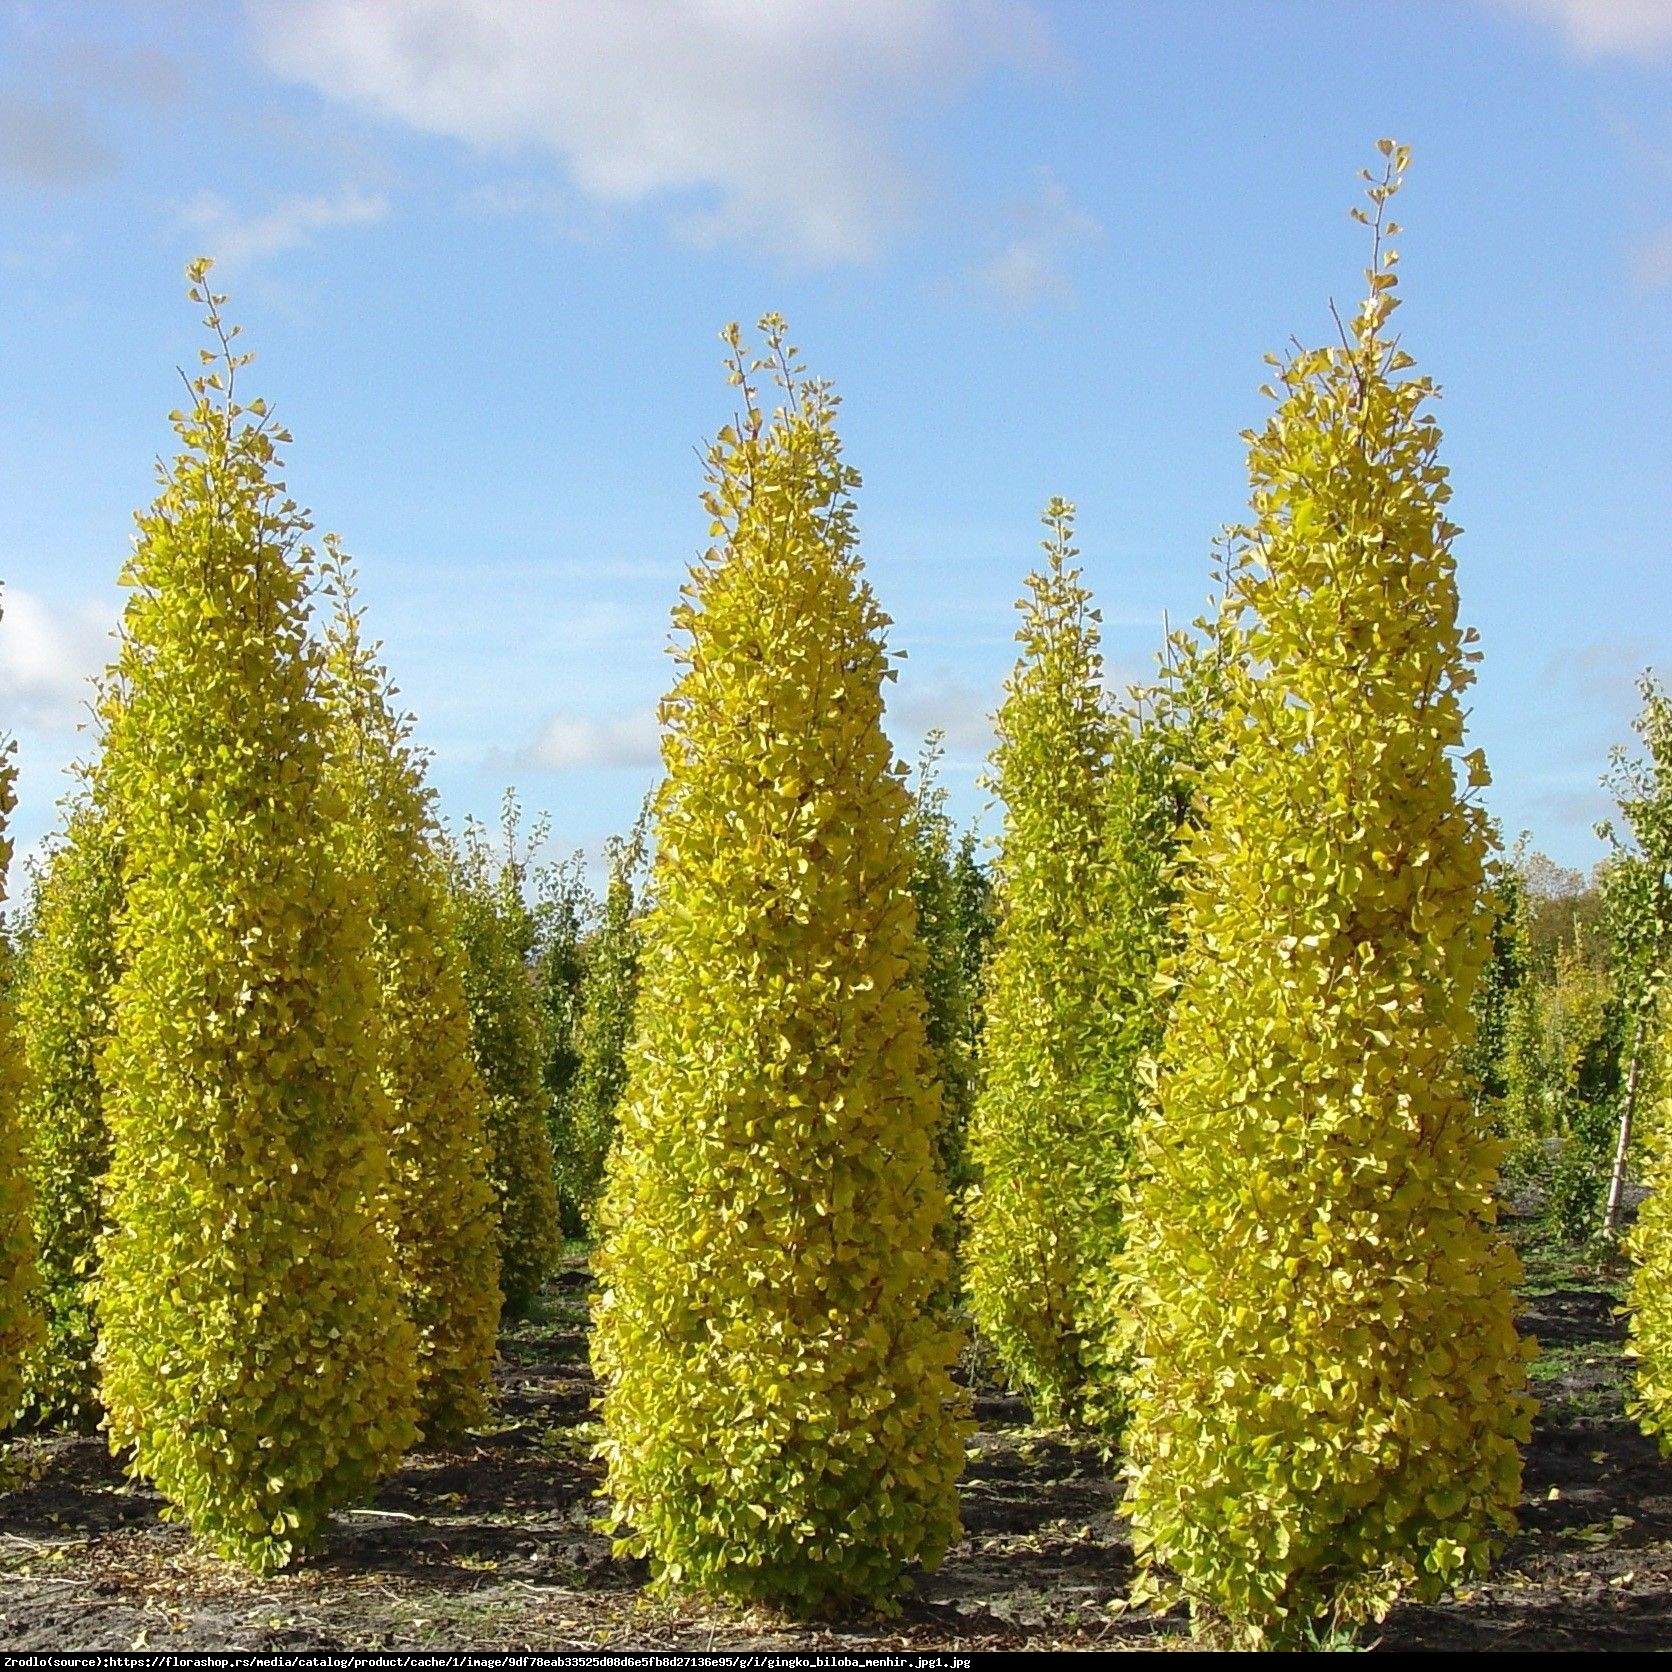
[483, 249]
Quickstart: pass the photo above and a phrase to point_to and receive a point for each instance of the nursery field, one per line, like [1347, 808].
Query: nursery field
[491, 1546]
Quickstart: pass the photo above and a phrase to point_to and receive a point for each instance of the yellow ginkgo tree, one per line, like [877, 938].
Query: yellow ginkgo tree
[780, 1422]
[439, 1203]
[20, 1324]
[257, 1364]
[1328, 1384]
[64, 990]
[1050, 1130]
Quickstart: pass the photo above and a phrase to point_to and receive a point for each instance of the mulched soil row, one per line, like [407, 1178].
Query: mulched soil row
[492, 1547]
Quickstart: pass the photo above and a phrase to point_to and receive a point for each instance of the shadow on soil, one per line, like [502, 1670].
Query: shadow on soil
[492, 1546]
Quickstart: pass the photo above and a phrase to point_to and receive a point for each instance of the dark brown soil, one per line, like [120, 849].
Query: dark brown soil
[492, 1546]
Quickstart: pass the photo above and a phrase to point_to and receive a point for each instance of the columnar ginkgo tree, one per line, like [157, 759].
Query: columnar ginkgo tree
[1050, 1132]
[508, 1043]
[1328, 1382]
[780, 1422]
[20, 1324]
[943, 897]
[1642, 911]
[439, 1205]
[608, 993]
[1637, 904]
[63, 997]
[256, 1360]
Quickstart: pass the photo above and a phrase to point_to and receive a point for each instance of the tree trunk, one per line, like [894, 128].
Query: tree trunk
[1616, 1184]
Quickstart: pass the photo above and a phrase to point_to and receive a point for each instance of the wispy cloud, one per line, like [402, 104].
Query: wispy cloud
[48, 655]
[140, 75]
[774, 123]
[567, 741]
[1042, 233]
[563, 210]
[49, 135]
[961, 713]
[239, 240]
[1605, 28]
[49, 142]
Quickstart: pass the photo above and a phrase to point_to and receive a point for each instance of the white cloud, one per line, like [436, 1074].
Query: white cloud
[47, 656]
[961, 713]
[563, 210]
[1605, 28]
[772, 119]
[236, 240]
[1653, 267]
[567, 741]
[1044, 230]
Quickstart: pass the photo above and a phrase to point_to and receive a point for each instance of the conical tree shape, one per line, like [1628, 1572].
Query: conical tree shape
[439, 1207]
[508, 1044]
[943, 898]
[20, 1323]
[64, 996]
[1328, 1391]
[254, 1352]
[780, 1422]
[564, 913]
[1050, 1132]
[608, 997]
[972, 892]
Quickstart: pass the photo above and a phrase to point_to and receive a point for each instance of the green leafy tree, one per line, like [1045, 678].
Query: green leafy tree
[438, 1206]
[780, 1421]
[1327, 1392]
[564, 922]
[977, 921]
[1638, 895]
[68, 970]
[948, 903]
[608, 998]
[1579, 1028]
[1506, 971]
[1561, 1038]
[1564, 908]
[256, 1362]
[497, 931]
[20, 1323]
[1066, 1003]
[1637, 907]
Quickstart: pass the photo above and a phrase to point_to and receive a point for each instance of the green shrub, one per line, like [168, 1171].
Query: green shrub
[255, 1356]
[1327, 1392]
[780, 1422]
[439, 1207]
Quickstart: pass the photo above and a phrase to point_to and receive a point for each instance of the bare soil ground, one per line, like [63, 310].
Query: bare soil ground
[491, 1546]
